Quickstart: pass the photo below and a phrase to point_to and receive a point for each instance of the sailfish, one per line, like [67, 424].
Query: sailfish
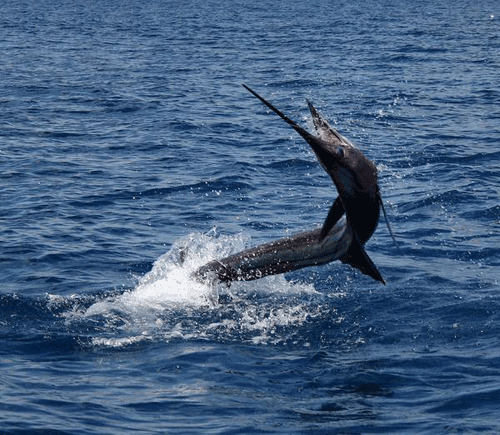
[339, 238]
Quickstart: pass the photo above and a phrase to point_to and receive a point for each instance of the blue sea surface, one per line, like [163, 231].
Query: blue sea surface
[126, 137]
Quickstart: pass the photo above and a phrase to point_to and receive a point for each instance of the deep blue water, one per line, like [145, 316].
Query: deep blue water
[125, 133]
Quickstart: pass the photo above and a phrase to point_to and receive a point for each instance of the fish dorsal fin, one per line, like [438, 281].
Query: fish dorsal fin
[335, 213]
[325, 131]
[357, 257]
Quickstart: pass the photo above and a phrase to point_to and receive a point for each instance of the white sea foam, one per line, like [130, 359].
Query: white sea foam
[167, 303]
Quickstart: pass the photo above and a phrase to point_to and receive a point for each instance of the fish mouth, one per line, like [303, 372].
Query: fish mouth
[329, 147]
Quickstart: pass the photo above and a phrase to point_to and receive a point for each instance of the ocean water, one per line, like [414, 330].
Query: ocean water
[126, 136]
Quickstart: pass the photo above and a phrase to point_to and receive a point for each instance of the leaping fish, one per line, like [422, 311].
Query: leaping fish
[344, 239]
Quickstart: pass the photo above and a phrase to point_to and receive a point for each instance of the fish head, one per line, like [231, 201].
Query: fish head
[355, 177]
[351, 171]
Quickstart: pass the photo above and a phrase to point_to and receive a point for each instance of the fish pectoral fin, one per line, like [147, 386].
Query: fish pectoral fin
[357, 257]
[388, 224]
[335, 213]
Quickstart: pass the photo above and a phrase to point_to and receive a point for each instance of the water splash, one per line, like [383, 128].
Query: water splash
[167, 303]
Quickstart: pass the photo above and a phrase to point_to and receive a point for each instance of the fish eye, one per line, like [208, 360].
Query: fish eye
[340, 152]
